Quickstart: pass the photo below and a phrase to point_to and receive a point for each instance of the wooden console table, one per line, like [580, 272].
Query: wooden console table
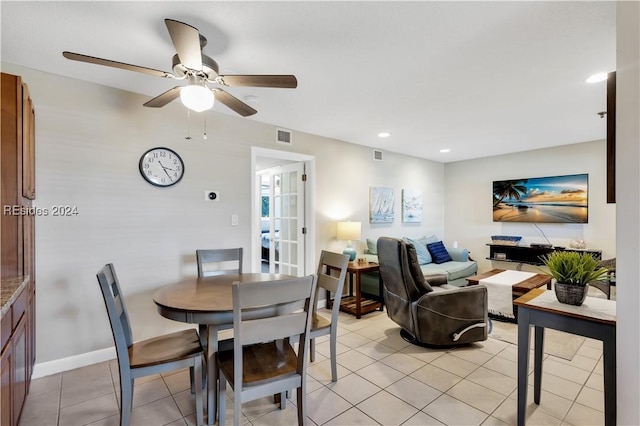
[529, 255]
[595, 318]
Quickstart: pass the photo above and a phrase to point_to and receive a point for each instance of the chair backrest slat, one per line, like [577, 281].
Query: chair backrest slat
[254, 299]
[224, 261]
[114, 302]
[332, 271]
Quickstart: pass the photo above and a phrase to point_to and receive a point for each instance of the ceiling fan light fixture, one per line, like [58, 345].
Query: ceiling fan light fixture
[197, 98]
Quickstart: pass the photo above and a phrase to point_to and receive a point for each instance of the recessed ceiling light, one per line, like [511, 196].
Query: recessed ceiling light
[384, 134]
[252, 99]
[601, 76]
[445, 150]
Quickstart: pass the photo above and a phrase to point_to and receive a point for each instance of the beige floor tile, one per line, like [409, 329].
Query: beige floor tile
[351, 417]
[354, 360]
[436, 377]
[477, 396]
[89, 411]
[250, 409]
[581, 415]
[324, 348]
[423, 354]
[422, 419]
[373, 333]
[554, 405]
[493, 421]
[492, 346]
[403, 362]
[579, 361]
[450, 411]
[380, 374]
[508, 413]
[590, 352]
[149, 392]
[159, 412]
[493, 380]
[277, 417]
[393, 339]
[387, 409]
[41, 418]
[42, 404]
[565, 371]
[413, 392]
[323, 405]
[558, 386]
[354, 388]
[591, 398]
[186, 402]
[376, 350]
[472, 354]
[77, 390]
[455, 365]
[46, 384]
[321, 371]
[504, 366]
[595, 381]
[178, 382]
[353, 340]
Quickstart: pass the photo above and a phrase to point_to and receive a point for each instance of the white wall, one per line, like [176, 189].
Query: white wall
[89, 140]
[468, 200]
[628, 201]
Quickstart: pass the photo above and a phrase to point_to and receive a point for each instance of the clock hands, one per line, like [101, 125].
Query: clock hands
[165, 170]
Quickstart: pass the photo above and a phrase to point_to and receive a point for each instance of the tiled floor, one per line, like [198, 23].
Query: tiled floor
[382, 380]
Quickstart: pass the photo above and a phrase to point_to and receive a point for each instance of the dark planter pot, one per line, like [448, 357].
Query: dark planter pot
[571, 294]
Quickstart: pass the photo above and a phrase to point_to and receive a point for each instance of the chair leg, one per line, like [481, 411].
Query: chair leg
[126, 400]
[312, 350]
[222, 391]
[334, 368]
[197, 374]
[237, 406]
[302, 409]
[283, 400]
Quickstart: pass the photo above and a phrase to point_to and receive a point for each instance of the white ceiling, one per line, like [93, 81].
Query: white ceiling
[479, 78]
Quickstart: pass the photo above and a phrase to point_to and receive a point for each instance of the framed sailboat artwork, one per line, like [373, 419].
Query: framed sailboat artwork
[411, 205]
[380, 205]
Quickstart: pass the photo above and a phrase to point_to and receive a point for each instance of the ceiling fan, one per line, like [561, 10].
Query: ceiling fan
[199, 70]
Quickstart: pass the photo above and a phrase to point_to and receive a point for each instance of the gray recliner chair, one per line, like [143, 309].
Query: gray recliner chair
[430, 312]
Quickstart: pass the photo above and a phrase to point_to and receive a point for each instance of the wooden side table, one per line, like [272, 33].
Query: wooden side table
[354, 303]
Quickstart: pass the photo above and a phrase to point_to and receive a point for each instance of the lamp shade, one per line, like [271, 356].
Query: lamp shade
[349, 231]
[196, 97]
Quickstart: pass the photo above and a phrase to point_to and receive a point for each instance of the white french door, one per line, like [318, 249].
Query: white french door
[284, 187]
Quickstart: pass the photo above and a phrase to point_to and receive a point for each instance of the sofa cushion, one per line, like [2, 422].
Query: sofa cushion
[438, 252]
[414, 269]
[424, 256]
[453, 270]
[372, 246]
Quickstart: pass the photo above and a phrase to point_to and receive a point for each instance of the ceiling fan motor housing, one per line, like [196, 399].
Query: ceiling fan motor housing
[209, 68]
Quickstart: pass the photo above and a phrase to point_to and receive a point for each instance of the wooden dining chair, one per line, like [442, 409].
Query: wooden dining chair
[219, 261]
[143, 358]
[263, 361]
[332, 270]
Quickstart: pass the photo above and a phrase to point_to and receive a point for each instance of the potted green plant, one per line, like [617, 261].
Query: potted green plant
[573, 271]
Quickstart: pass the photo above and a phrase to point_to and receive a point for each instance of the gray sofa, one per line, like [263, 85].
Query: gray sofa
[456, 270]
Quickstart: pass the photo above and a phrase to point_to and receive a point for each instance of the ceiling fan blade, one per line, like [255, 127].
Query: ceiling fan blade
[165, 98]
[186, 40]
[114, 64]
[282, 81]
[234, 103]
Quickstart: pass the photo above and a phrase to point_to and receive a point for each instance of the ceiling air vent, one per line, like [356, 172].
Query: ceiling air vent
[377, 155]
[283, 136]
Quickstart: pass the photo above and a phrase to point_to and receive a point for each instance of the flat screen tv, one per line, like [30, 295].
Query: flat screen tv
[554, 199]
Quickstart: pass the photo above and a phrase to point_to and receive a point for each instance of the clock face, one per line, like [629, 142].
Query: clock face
[161, 167]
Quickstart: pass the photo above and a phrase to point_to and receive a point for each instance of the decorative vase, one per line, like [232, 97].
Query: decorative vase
[571, 294]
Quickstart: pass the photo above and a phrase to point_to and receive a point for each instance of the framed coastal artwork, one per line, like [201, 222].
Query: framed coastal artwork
[380, 204]
[411, 205]
[552, 199]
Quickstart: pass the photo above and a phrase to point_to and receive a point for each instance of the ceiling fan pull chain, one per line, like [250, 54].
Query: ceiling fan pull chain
[204, 136]
[188, 137]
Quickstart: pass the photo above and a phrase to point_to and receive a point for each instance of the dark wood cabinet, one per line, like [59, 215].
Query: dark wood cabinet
[528, 255]
[17, 246]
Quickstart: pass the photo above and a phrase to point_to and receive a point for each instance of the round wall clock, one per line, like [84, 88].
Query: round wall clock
[161, 167]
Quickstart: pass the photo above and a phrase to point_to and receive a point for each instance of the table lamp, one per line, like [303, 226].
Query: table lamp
[349, 231]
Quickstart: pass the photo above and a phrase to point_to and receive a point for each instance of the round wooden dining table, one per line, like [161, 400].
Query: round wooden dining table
[208, 302]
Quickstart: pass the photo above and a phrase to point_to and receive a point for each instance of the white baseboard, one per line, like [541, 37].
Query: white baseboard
[64, 364]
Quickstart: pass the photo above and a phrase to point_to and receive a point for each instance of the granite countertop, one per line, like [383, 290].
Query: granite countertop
[10, 288]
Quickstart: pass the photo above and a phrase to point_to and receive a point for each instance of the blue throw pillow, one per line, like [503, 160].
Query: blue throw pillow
[438, 252]
[424, 256]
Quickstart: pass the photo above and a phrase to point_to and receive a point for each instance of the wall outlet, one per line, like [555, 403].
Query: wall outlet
[211, 195]
[234, 220]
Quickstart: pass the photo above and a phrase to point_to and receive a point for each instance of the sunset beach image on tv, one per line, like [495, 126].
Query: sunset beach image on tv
[555, 199]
